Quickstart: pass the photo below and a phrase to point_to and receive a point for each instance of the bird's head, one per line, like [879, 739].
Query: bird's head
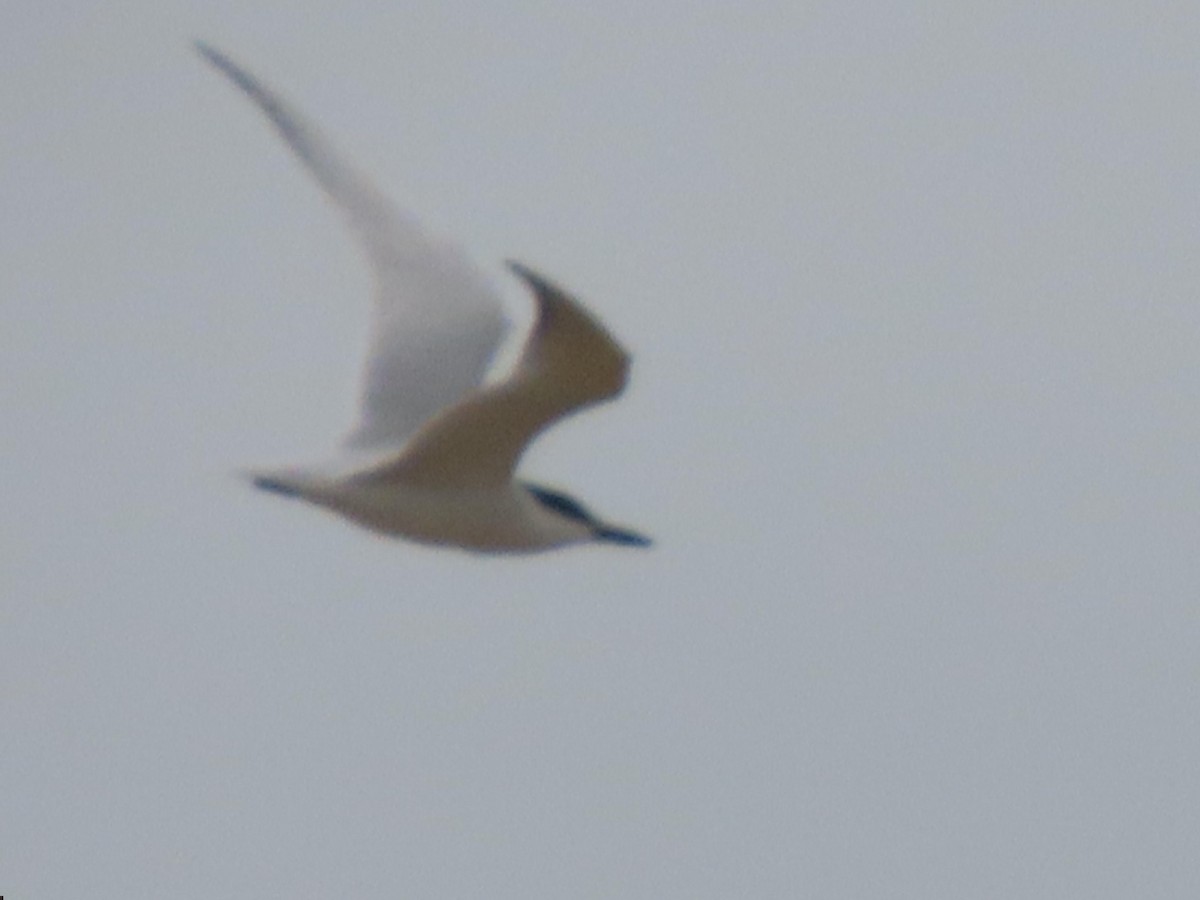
[569, 508]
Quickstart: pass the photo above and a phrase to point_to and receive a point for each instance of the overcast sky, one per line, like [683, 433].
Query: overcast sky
[912, 295]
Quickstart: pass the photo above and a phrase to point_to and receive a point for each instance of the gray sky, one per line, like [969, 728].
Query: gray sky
[911, 290]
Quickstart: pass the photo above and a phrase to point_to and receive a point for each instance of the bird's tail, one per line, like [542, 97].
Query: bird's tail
[274, 482]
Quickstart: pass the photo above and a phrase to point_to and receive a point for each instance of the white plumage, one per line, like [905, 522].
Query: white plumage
[443, 445]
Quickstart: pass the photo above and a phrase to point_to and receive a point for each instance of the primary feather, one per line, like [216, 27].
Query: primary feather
[437, 320]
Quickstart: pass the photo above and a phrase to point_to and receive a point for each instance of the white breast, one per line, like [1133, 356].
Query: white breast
[493, 519]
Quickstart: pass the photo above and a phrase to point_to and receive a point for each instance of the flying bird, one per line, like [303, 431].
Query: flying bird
[436, 447]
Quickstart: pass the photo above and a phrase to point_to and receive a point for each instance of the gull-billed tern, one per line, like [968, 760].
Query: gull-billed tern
[441, 445]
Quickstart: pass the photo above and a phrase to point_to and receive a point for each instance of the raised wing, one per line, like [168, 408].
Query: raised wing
[569, 362]
[437, 319]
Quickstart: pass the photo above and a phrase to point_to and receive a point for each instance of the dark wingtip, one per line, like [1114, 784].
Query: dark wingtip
[233, 71]
[209, 52]
[541, 285]
[622, 536]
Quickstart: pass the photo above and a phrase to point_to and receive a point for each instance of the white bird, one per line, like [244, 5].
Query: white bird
[443, 446]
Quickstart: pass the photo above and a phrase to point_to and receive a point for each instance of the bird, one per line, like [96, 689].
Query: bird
[433, 456]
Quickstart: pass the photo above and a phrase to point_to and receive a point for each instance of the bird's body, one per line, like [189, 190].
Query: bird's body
[503, 518]
[442, 446]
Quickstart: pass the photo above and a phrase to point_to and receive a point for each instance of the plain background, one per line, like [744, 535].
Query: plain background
[912, 293]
